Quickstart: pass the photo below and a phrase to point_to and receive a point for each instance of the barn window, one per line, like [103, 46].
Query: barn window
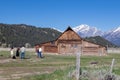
[63, 46]
[74, 45]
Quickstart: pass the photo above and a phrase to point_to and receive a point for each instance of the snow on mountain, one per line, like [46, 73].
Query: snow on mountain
[114, 33]
[117, 30]
[113, 36]
[86, 31]
[57, 29]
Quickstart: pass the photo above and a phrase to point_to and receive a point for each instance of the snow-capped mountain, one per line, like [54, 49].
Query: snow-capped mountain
[57, 29]
[113, 36]
[87, 31]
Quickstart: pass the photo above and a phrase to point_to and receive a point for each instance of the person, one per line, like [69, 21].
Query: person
[12, 53]
[36, 51]
[22, 52]
[39, 51]
[17, 52]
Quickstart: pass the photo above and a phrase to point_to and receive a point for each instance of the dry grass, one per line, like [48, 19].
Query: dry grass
[12, 69]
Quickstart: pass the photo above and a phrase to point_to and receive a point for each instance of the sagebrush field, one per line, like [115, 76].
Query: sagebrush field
[56, 67]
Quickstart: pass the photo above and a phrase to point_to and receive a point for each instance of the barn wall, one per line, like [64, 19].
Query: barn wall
[51, 49]
[68, 46]
[92, 49]
[73, 46]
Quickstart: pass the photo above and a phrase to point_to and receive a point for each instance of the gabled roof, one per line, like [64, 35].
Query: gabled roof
[69, 29]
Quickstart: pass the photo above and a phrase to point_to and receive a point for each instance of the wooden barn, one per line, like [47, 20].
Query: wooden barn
[69, 42]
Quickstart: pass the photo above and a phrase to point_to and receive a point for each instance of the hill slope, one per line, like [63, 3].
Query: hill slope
[101, 41]
[20, 34]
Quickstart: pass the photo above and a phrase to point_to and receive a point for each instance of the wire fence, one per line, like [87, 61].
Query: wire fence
[113, 50]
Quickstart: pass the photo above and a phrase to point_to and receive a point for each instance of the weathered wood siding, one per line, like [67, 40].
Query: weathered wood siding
[50, 48]
[70, 42]
[65, 48]
[69, 35]
[92, 49]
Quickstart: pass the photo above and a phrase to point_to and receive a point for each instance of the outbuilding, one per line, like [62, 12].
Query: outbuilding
[69, 42]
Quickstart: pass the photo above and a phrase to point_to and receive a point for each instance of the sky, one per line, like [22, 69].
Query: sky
[59, 14]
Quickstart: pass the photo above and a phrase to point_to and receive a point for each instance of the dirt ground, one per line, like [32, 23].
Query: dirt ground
[13, 69]
[13, 72]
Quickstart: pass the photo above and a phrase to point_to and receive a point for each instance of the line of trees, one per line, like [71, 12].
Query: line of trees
[21, 34]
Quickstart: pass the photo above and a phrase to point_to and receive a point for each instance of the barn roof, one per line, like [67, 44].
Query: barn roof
[69, 29]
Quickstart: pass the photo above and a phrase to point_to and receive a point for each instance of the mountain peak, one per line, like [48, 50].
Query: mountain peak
[117, 29]
[86, 31]
[82, 27]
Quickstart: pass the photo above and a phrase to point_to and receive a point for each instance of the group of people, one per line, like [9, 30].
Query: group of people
[20, 52]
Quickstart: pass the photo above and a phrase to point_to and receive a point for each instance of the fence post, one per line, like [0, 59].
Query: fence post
[111, 68]
[78, 64]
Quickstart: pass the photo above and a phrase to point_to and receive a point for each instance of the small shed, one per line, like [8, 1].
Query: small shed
[69, 42]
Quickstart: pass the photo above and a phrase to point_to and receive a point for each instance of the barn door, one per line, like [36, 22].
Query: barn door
[64, 48]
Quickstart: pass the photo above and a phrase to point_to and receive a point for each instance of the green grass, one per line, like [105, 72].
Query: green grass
[60, 74]
[52, 67]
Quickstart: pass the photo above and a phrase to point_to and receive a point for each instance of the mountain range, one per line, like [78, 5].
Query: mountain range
[21, 34]
[87, 31]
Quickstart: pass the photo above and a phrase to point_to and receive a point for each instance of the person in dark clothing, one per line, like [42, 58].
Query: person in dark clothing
[17, 52]
[39, 52]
